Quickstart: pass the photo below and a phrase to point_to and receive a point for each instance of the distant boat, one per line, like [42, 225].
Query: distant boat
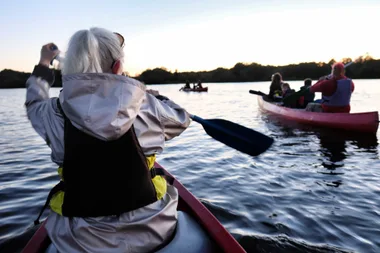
[204, 89]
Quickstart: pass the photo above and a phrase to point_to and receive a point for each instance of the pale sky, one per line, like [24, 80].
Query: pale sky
[196, 35]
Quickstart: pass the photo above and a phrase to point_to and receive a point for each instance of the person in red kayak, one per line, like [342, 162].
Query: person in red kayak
[104, 131]
[336, 91]
[275, 87]
[287, 91]
[187, 86]
[199, 85]
[308, 97]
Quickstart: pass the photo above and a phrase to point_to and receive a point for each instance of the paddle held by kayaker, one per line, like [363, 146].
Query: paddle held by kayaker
[104, 131]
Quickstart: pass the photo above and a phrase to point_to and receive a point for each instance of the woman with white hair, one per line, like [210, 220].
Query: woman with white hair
[104, 131]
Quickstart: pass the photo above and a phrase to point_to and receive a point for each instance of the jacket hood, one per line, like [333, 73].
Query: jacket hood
[102, 105]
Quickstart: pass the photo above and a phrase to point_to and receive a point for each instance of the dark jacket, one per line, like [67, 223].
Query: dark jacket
[309, 96]
[273, 88]
[305, 99]
[288, 93]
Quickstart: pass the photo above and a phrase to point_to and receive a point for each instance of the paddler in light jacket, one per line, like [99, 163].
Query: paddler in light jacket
[104, 132]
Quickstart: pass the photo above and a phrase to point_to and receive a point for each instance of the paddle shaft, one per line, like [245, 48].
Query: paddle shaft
[259, 93]
[352, 62]
[204, 122]
[345, 66]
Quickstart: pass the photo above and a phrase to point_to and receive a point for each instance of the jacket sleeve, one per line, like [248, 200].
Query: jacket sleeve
[37, 101]
[174, 119]
[324, 86]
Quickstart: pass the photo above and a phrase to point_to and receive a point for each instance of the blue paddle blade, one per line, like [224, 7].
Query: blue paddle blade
[236, 136]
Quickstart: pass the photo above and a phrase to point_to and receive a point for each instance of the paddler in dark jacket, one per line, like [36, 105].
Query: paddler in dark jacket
[199, 85]
[275, 87]
[287, 91]
[308, 97]
[104, 132]
[187, 85]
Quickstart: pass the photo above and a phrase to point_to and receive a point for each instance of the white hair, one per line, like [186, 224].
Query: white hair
[92, 51]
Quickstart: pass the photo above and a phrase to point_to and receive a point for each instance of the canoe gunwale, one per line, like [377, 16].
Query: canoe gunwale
[361, 121]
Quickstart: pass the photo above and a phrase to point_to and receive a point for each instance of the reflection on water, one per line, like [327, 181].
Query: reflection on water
[333, 148]
[314, 190]
[334, 143]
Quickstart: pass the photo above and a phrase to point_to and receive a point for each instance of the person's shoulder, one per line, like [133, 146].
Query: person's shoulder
[329, 82]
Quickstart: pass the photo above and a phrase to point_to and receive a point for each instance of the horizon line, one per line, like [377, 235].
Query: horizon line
[245, 63]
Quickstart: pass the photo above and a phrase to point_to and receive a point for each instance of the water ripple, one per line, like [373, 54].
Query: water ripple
[315, 190]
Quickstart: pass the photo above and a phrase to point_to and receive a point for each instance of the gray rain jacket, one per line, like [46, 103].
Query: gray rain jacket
[106, 106]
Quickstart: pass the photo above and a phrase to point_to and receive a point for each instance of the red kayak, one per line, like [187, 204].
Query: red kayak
[204, 89]
[361, 122]
[212, 236]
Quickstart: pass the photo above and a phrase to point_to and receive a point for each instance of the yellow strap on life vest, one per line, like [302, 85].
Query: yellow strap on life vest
[159, 183]
[57, 199]
[56, 202]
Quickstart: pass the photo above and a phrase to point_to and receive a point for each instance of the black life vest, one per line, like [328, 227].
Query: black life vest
[103, 178]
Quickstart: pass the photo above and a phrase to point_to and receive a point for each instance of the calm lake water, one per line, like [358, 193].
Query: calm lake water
[315, 190]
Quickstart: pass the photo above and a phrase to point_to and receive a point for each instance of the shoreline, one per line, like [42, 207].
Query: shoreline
[241, 73]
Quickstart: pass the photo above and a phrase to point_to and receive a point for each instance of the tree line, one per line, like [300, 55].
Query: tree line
[366, 68]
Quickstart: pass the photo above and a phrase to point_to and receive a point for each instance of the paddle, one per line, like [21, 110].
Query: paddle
[235, 136]
[259, 93]
[291, 99]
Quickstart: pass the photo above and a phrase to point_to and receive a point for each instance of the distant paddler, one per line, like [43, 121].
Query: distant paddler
[199, 85]
[187, 86]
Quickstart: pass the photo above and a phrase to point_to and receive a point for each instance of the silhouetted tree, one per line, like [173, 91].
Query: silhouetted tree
[346, 60]
[331, 62]
[241, 72]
